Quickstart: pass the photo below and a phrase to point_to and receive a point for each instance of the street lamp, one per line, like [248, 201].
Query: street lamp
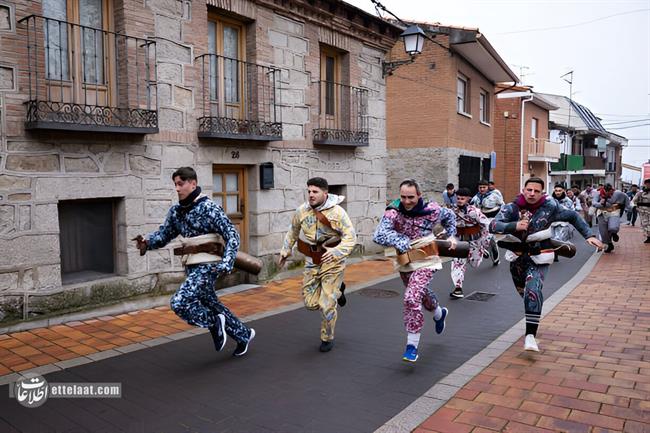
[413, 38]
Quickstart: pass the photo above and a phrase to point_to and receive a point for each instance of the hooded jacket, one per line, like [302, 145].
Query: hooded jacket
[313, 231]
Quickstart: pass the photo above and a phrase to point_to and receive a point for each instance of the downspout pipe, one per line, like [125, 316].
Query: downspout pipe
[521, 144]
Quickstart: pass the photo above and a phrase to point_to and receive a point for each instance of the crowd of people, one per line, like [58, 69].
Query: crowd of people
[533, 229]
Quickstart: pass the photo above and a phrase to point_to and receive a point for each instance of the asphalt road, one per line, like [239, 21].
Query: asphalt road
[284, 384]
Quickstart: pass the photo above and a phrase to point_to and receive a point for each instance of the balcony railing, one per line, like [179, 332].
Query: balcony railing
[541, 149]
[594, 163]
[240, 100]
[568, 163]
[89, 79]
[342, 115]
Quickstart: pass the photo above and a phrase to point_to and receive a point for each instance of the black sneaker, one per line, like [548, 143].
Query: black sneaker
[647, 240]
[342, 300]
[218, 333]
[457, 293]
[610, 248]
[326, 346]
[615, 237]
[242, 348]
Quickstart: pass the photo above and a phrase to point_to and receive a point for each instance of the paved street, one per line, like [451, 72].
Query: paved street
[285, 384]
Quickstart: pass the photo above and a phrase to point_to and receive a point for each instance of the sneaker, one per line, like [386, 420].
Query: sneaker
[342, 300]
[410, 354]
[530, 344]
[647, 240]
[496, 262]
[457, 293]
[326, 346]
[242, 348]
[218, 333]
[615, 237]
[440, 324]
[610, 248]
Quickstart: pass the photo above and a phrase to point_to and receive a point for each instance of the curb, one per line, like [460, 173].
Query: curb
[440, 393]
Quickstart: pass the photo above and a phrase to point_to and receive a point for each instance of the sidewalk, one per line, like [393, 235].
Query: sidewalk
[593, 371]
[77, 342]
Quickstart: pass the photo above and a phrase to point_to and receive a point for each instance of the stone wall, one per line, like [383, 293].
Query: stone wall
[39, 169]
[433, 168]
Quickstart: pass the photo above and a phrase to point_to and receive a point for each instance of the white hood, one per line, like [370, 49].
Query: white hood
[332, 200]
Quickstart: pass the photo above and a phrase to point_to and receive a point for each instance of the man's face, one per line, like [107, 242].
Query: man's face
[646, 185]
[491, 187]
[316, 195]
[569, 193]
[450, 191]
[532, 192]
[462, 200]
[634, 188]
[557, 191]
[409, 196]
[482, 189]
[184, 187]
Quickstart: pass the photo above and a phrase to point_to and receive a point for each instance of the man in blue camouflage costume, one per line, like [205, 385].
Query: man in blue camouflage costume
[196, 301]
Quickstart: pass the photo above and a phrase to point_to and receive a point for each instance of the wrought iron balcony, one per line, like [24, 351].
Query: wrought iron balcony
[541, 149]
[240, 100]
[342, 115]
[89, 79]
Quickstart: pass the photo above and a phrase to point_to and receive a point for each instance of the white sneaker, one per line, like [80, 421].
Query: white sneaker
[530, 343]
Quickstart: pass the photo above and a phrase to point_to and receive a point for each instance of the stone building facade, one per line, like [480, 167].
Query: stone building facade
[102, 100]
[440, 110]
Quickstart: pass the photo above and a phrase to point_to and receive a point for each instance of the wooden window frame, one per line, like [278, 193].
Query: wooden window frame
[220, 22]
[326, 52]
[534, 121]
[77, 89]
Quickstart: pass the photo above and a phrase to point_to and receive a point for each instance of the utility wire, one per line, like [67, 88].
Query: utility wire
[629, 127]
[573, 25]
[607, 123]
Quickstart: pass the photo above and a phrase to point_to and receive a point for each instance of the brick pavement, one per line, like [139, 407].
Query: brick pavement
[593, 372]
[22, 351]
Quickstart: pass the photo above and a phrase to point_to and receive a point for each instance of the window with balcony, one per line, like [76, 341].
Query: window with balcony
[342, 112]
[462, 95]
[239, 99]
[484, 106]
[83, 75]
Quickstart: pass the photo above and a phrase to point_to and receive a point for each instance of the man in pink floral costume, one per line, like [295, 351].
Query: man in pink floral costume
[406, 225]
[472, 226]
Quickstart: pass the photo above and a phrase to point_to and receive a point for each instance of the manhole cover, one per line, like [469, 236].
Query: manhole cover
[378, 293]
[479, 296]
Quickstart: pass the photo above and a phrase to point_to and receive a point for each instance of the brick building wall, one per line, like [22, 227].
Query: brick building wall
[39, 169]
[425, 134]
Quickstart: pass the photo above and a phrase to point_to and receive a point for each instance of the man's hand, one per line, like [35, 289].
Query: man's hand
[452, 243]
[595, 243]
[329, 255]
[141, 244]
[522, 226]
[282, 261]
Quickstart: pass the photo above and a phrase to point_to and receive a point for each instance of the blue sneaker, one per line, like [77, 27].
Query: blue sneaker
[440, 324]
[410, 354]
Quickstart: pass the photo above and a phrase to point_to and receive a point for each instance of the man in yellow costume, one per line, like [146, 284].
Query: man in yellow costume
[327, 239]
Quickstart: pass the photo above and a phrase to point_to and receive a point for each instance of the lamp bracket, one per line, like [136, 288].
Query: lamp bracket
[387, 68]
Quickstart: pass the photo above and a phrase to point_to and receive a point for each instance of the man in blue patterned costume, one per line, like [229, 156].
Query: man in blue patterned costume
[528, 217]
[489, 201]
[196, 301]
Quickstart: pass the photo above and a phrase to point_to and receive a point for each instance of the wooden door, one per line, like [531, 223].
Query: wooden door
[229, 192]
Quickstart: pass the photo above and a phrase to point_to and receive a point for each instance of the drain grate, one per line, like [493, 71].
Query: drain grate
[378, 293]
[479, 296]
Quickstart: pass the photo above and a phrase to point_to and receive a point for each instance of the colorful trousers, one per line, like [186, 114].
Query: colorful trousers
[528, 277]
[197, 303]
[320, 290]
[459, 266]
[417, 293]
